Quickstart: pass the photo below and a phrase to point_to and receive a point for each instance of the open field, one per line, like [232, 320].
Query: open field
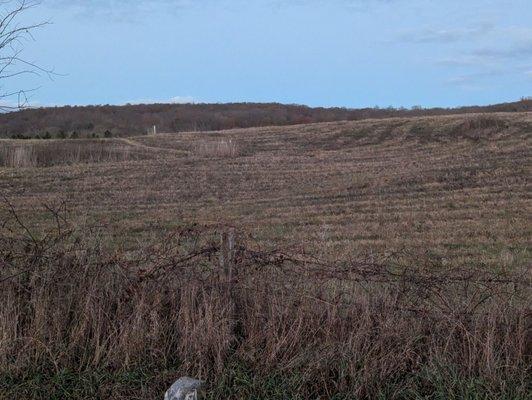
[457, 186]
[377, 259]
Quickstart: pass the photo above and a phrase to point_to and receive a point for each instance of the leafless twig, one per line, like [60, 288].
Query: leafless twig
[13, 34]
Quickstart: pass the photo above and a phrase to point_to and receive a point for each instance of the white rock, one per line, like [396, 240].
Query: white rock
[184, 388]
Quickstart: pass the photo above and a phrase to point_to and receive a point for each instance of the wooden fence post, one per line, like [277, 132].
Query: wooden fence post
[227, 256]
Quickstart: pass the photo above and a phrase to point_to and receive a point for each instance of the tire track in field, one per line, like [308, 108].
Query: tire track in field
[143, 146]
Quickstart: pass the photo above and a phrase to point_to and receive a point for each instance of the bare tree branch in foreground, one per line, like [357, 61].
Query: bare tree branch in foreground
[13, 35]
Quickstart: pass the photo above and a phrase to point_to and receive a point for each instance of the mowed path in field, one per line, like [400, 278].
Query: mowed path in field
[455, 186]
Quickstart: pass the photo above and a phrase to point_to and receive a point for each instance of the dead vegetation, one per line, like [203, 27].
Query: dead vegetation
[382, 260]
[360, 328]
[216, 148]
[26, 154]
[376, 185]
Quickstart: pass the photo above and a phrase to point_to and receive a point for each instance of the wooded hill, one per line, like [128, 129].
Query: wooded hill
[128, 120]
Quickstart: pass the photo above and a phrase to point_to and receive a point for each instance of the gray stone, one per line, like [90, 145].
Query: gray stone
[185, 389]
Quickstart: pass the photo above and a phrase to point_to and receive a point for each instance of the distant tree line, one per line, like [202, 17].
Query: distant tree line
[128, 120]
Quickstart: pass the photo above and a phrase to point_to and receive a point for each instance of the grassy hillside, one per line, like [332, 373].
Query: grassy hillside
[456, 185]
[375, 259]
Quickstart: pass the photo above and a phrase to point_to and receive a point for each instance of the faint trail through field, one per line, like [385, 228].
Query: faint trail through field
[134, 143]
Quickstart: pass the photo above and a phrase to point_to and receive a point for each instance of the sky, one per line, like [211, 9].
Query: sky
[348, 53]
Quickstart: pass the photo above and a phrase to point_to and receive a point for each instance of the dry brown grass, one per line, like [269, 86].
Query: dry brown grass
[26, 154]
[417, 184]
[216, 148]
[360, 328]
[418, 284]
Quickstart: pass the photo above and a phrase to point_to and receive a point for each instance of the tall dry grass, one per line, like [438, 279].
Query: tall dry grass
[18, 156]
[44, 154]
[483, 122]
[217, 148]
[360, 328]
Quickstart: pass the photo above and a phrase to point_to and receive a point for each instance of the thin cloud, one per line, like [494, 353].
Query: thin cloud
[430, 35]
[182, 100]
[120, 10]
[474, 80]
[172, 100]
[462, 60]
[518, 48]
[519, 51]
[138, 11]
[158, 5]
[116, 4]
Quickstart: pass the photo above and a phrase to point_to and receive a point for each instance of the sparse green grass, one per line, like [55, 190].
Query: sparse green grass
[238, 382]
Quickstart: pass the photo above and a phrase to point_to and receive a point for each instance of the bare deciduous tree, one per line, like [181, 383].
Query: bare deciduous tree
[13, 35]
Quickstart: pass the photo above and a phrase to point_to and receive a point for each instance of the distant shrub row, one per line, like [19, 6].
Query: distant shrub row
[62, 135]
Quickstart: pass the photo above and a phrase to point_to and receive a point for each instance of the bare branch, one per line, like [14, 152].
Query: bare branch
[12, 64]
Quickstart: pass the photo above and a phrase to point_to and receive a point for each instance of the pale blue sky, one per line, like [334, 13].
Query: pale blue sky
[351, 53]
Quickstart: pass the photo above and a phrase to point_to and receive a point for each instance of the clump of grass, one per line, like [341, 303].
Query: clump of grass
[18, 156]
[481, 122]
[217, 148]
[59, 152]
[281, 325]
